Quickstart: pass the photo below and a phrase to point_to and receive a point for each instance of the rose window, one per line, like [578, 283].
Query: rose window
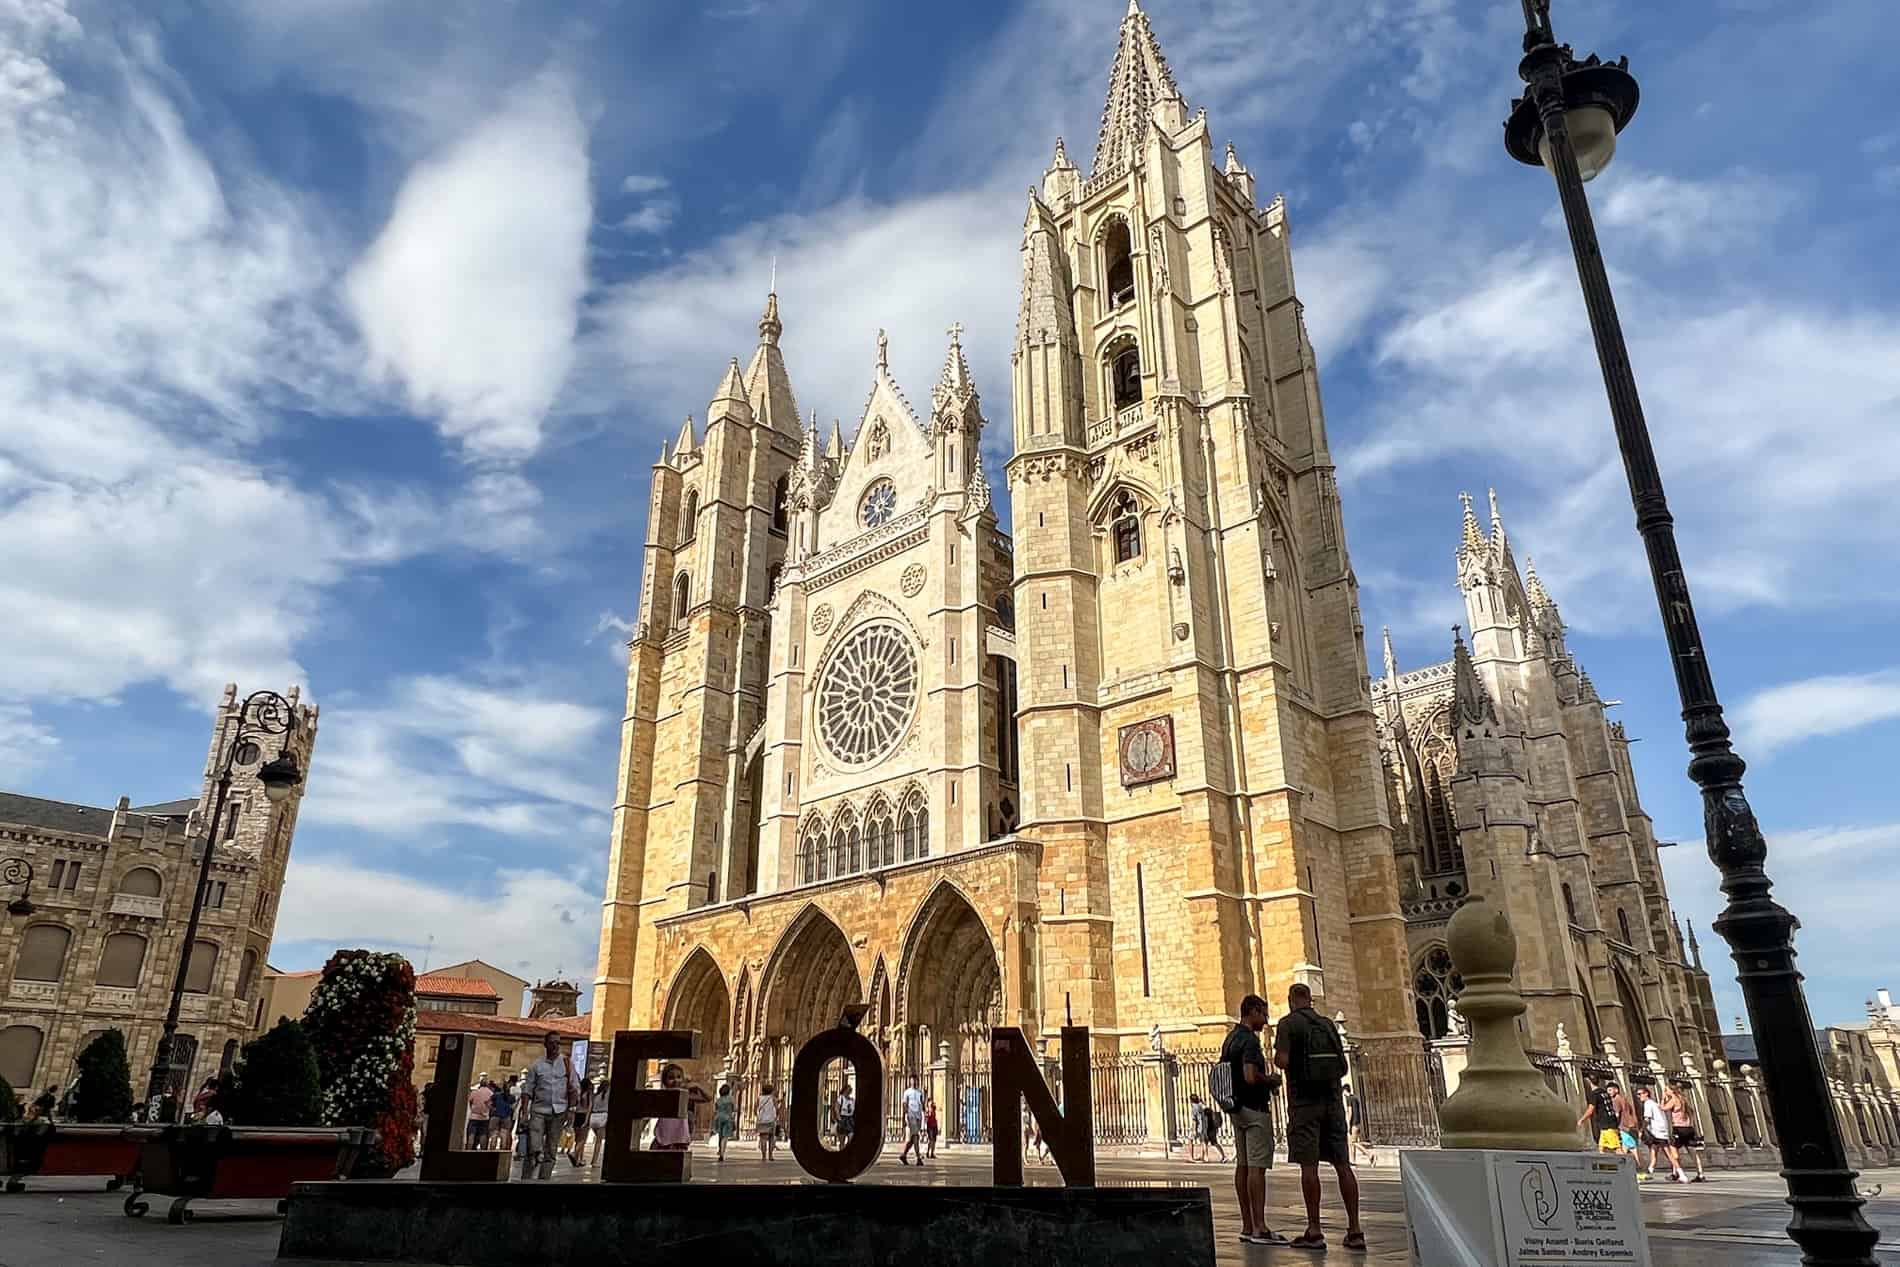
[879, 504]
[869, 694]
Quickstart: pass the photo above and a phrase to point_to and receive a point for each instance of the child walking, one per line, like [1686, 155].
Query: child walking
[767, 1119]
[725, 1118]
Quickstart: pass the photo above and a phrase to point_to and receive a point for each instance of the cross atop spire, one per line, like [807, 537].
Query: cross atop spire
[956, 367]
[1474, 536]
[1137, 81]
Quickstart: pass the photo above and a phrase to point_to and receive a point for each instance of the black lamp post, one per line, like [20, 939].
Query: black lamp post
[264, 713]
[1568, 121]
[17, 872]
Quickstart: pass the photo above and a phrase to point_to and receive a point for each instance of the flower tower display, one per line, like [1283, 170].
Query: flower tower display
[362, 1022]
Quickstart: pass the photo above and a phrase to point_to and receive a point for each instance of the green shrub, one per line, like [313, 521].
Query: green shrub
[275, 1081]
[104, 1093]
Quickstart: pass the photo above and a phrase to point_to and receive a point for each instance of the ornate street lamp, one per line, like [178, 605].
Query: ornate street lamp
[1568, 121]
[17, 872]
[264, 713]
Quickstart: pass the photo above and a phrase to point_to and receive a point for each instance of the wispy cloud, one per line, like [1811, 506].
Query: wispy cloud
[1779, 717]
[531, 920]
[469, 297]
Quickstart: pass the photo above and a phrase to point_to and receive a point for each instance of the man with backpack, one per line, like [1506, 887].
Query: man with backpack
[1309, 1047]
[1242, 1084]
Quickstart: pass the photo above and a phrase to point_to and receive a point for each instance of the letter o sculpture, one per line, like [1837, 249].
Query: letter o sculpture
[867, 1141]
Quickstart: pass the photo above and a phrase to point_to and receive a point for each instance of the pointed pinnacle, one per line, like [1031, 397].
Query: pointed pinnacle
[770, 327]
[1473, 536]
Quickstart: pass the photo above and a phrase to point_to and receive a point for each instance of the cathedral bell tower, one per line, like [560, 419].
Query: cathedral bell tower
[1202, 767]
[685, 821]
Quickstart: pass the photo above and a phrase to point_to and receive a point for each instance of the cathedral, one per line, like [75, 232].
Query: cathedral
[1117, 768]
[1505, 777]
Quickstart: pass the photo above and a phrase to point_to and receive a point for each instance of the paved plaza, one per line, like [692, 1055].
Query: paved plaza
[1736, 1219]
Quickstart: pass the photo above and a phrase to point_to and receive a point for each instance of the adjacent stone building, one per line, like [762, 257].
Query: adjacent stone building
[111, 895]
[1121, 770]
[1505, 777]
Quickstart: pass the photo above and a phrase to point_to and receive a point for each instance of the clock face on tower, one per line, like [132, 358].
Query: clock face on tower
[880, 501]
[1147, 751]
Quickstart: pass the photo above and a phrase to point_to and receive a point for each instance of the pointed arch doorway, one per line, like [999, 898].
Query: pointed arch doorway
[699, 1001]
[807, 982]
[950, 992]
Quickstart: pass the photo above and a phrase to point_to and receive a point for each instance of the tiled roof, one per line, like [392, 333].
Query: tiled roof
[460, 987]
[502, 1026]
[169, 809]
[58, 816]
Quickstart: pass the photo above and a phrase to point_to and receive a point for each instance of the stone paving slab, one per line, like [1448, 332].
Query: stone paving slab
[1735, 1219]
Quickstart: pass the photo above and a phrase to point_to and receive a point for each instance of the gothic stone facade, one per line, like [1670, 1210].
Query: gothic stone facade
[1122, 772]
[112, 892]
[1506, 778]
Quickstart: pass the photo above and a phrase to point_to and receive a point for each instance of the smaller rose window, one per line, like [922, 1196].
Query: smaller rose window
[880, 502]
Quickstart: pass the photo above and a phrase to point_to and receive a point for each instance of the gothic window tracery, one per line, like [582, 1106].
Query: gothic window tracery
[1118, 265]
[845, 842]
[880, 835]
[913, 830]
[781, 503]
[879, 504]
[868, 694]
[811, 852]
[1124, 527]
[1006, 611]
[682, 597]
[1124, 374]
[1438, 763]
[689, 516]
[1436, 984]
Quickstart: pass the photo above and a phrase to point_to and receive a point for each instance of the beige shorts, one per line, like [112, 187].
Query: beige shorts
[1253, 1138]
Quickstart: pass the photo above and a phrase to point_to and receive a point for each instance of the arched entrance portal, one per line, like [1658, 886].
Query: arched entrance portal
[1635, 1024]
[807, 982]
[699, 1001]
[949, 993]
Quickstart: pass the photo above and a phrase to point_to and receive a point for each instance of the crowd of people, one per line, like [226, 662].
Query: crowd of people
[1657, 1126]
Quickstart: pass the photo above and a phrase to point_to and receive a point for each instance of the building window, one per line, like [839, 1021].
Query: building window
[868, 694]
[65, 876]
[811, 853]
[1124, 374]
[20, 1055]
[141, 882]
[204, 965]
[1623, 922]
[1570, 904]
[1436, 984]
[214, 894]
[122, 961]
[782, 503]
[879, 504]
[230, 822]
[682, 596]
[913, 828]
[247, 973]
[43, 953]
[1125, 528]
[1118, 265]
[880, 835]
[1006, 611]
[507, 1057]
[845, 842]
[689, 516]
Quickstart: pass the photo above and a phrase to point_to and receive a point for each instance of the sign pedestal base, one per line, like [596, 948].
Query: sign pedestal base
[1484, 1207]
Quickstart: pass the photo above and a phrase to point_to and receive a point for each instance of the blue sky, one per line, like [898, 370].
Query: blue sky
[337, 339]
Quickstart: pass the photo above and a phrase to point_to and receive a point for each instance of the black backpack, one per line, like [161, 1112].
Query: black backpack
[1323, 1054]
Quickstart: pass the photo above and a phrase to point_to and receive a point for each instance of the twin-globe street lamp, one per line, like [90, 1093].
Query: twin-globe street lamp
[264, 713]
[1568, 121]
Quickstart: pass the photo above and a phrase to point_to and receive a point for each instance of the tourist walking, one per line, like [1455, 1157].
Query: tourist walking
[597, 1119]
[765, 1116]
[480, 1100]
[1658, 1134]
[1311, 1050]
[201, 1104]
[847, 1114]
[1599, 1113]
[1356, 1127]
[550, 1088]
[725, 1117]
[1243, 1085]
[1682, 1128]
[913, 1104]
[1626, 1124]
[930, 1126]
[501, 1116]
[583, 1120]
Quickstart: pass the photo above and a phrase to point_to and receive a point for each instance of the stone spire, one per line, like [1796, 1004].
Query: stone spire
[1391, 661]
[1695, 951]
[834, 446]
[1498, 543]
[1473, 535]
[1138, 80]
[768, 387]
[1471, 703]
[956, 366]
[1233, 167]
[684, 444]
[729, 398]
[1534, 587]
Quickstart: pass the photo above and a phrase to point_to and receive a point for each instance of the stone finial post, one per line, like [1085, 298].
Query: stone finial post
[1502, 1100]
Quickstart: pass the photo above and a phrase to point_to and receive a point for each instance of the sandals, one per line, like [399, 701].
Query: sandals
[1356, 1241]
[1306, 1240]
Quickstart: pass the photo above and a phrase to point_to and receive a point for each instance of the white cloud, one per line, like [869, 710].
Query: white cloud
[1811, 843]
[529, 919]
[1780, 716]
[26, 744]
[443, 753]
[1680, 217]
[666, 336]
[653, 216]
[643, 184]
[468, 298]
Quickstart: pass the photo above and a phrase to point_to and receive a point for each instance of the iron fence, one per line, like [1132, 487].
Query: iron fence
[1399, 1092]
[1118, 1096]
